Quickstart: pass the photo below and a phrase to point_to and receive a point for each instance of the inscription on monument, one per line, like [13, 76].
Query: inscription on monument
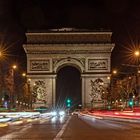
[39, 65]
[97, 64]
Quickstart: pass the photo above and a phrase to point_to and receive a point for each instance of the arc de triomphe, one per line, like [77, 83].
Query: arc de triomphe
[89, 52]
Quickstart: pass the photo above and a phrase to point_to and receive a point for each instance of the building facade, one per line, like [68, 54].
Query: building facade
[48, 52]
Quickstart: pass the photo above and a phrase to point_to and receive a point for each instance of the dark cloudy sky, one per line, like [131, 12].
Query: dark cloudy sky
[120, 16]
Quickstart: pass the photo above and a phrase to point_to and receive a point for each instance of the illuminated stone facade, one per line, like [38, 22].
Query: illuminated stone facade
[89, 52]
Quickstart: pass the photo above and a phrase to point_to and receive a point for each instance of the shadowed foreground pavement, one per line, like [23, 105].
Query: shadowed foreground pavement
[92, 129]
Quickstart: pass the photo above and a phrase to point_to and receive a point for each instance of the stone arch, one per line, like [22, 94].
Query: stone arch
[68, 85]
[48, 52]
[69, 62]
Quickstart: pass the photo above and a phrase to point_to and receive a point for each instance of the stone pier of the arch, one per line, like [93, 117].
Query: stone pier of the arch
[89, 52]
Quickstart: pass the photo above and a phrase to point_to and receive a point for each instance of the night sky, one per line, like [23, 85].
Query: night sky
[122, 17]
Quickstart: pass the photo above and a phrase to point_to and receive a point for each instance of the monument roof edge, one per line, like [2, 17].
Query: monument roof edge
[68, 30]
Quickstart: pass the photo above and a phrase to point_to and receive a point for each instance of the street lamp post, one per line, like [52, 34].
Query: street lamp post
[12, 100]
[29, 93]
[137, 54]
[1, 76]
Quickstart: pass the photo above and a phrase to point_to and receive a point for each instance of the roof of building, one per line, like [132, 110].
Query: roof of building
[68, 36]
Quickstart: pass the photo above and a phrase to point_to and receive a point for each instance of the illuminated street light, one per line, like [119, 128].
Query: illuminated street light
[130, 77]
[29, 80]
[1, 74]
[0, 54]
[138, 71]
[108, 77]
[14, 66]
[137, 53]
[12, 96]
[3, 53]
[24, 74]
[114, 71]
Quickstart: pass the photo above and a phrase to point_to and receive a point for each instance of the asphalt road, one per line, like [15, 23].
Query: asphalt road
[71, 128]
[39, 129]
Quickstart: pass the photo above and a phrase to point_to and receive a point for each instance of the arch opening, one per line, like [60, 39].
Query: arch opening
[68, 86]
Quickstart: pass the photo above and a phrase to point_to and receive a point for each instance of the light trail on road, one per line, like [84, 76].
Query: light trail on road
[73, 127]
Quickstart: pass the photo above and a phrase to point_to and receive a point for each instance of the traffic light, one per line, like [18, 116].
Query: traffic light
[68, 103]
[131, 102]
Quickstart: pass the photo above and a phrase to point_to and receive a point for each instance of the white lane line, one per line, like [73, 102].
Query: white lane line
[60, 133]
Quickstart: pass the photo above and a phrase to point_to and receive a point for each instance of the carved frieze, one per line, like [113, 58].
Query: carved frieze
[67, 49]
[80, 61]
[39, 65]
[66, 52]
[97, 64]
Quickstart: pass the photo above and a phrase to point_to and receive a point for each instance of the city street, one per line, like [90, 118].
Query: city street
[70, 128]
[37, 129]
[69, 70]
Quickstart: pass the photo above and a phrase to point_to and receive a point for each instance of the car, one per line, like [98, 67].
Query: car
[75, 112]
[58, 113]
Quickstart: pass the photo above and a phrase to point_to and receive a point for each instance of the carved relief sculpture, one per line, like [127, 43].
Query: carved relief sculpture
[97, 90]
[39, 92]
[97, 64]
[39, 65]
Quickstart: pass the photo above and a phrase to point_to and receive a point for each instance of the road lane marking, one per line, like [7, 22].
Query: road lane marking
[60, 133]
